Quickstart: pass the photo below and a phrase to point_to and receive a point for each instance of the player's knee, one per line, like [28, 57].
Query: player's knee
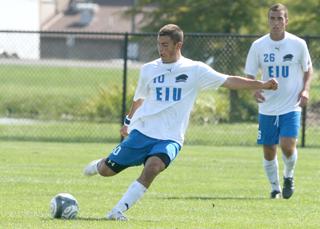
[288, 151]
[154, 168]
[154, 165]
[104, 170]
[288, 146]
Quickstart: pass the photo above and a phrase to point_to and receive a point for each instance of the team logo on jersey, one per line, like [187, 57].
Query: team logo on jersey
[181, 78]
[288, 57]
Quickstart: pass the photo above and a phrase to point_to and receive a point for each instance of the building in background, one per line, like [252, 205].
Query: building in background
[50, 16]
[94, 16]
[97, 16]
[19, 15]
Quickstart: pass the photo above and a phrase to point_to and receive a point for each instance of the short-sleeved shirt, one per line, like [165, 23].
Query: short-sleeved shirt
[286, 61]
[169, 92]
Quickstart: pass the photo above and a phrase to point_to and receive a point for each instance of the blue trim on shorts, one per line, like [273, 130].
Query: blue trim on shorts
[273, 127]
[137, 147]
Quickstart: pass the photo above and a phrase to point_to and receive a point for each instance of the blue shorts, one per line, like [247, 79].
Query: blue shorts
[273, 127]
[137, 148]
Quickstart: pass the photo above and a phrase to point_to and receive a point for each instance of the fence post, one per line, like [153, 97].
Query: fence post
[124, 81]
[303, 137]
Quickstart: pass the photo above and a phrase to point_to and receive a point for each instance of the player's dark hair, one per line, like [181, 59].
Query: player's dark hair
[279, 7]
[173, 31]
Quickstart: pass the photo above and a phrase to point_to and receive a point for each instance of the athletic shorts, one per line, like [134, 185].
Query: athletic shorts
[273, 127]
[137, 148]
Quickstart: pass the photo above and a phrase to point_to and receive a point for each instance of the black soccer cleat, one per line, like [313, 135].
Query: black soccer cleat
[275, 194]
[288, 187]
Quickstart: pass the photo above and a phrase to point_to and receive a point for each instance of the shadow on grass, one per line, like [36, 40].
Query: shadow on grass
[211, 198]
[77, 219]
[91, 219]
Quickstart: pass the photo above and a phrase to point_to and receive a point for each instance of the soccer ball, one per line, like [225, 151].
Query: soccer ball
[64, 206]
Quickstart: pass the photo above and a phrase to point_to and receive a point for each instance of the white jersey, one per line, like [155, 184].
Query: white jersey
[286, 61]
[169, 92]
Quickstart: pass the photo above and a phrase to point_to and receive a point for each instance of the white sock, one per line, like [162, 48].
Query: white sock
[133, 194]
[272, 172]
[289, 164]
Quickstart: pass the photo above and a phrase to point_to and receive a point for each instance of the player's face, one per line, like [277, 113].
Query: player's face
[168, 50]
[277, 22]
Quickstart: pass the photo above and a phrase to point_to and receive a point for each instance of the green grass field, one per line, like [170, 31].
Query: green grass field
[230, 134]
[205, 187]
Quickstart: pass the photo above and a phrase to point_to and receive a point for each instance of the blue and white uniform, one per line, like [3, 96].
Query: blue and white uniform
[285, 60]
[169, 92]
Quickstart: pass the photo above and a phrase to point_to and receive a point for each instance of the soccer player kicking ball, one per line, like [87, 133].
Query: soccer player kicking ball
[285, 57]
[159, 115]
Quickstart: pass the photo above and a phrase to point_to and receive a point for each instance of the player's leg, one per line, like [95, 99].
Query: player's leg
[98, 167]
[135, 190]
[131, 152]
[154, 164]
[269, 138]
[271, 168]
[158, 159]
[289, 131]
[120, 158]
[104, 166]
[289, 156]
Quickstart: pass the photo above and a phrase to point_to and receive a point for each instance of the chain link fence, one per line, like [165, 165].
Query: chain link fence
[68, 86]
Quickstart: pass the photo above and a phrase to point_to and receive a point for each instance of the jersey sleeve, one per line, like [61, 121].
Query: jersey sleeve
[252, 62]
[306, 59]
[142, 87]
[208, 77]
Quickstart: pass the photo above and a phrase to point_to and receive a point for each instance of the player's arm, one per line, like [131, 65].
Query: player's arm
[237, 82]
[251, 69]
[134, 106]
[304, 94]
[140, 94]
[257, 93]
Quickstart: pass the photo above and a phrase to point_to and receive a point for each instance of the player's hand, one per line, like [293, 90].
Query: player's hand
[258, 96]
[124, 131]
[304, 98]
[271, 84]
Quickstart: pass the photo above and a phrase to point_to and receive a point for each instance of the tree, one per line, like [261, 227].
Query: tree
[303, 17]
[216, 16]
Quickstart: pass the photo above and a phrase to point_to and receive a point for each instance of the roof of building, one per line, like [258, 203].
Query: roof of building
[96, 16]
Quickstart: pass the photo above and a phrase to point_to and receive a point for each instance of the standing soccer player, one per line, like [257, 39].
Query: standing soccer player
[285, 57]
[159, 115]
